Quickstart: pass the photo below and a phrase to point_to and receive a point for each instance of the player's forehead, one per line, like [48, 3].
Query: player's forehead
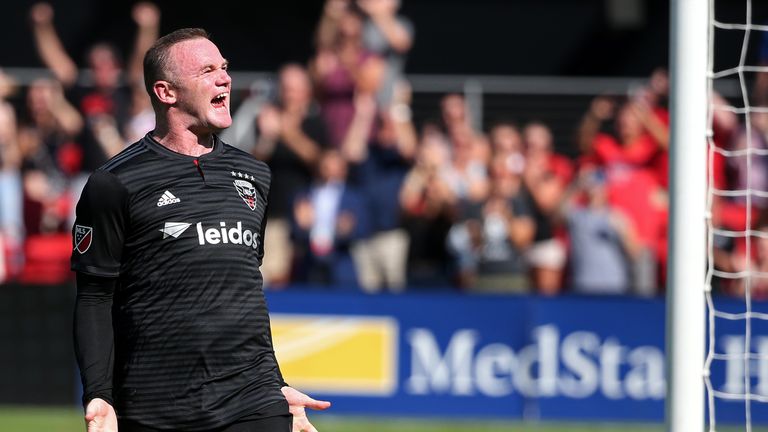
[193, 55]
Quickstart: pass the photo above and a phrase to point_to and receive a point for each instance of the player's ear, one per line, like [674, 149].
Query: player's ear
[165, 92]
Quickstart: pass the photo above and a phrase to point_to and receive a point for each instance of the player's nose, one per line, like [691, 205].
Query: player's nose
[224, 79]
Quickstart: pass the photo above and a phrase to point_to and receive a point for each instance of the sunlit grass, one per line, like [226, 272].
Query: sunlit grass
[51, 419]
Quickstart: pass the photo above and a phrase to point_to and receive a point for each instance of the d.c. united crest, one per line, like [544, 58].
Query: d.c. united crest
[247, 192]
[83, 238]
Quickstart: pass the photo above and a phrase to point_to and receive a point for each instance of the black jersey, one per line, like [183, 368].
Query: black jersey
[184, 238]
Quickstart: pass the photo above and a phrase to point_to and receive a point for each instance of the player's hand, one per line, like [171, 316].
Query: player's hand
[100, 416]
[297, 403]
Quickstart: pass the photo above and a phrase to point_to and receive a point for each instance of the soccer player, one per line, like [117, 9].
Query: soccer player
[171, 327]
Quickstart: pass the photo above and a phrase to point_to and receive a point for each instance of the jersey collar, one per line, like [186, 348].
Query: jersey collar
[218, 147]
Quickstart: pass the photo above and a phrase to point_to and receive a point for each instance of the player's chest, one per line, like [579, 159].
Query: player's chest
[211, 200]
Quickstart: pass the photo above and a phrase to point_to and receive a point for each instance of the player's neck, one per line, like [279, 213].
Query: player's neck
[184, 141]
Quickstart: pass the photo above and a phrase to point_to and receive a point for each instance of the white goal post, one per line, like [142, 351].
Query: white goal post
[685, 343]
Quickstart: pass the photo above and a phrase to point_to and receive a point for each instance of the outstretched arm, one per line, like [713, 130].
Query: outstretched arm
[355, 144]
[325, 34]
[385, 18]
[67, 116]
[600, 110]
[298, 402]
[147, 18]
[400, 112]
[49, 46]
[651, 122]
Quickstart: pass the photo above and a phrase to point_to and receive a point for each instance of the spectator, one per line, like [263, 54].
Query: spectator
[631, 147]
[11, 214]
[50, 157]
[390, 36]
[739, 172]
[470, 151]
[326, 34]
[601, 238]
[727, 213]
[467, 172]
[649, 104]
[750, 171]
[753, 262]
[507, 144]
[106, 105]
[453, 111]
[546, 175]
[291, 137]
[343, 67]
[328, 219]
[490, 242]
[760, 89]
[384, 33]
[633, 186]
[141, 118]
[380, 164]
[428, 203]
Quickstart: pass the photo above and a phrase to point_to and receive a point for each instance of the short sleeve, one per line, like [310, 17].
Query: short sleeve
[99, 230]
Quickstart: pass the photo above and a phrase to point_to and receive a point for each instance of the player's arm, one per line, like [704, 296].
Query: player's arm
[260, 255]
[297, 401]
[94, 338]
[94, 349]
[98, 237]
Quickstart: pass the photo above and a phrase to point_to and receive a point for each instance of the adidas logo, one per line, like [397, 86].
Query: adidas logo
[167, 198]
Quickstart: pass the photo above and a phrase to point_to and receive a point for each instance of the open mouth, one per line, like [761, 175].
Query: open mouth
[219, 100]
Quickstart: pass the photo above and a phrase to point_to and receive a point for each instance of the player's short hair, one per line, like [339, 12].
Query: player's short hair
[157, 58]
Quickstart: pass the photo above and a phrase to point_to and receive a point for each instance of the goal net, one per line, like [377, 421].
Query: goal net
[736, 282]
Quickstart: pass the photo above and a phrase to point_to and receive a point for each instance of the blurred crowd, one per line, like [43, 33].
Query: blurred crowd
[364, 199]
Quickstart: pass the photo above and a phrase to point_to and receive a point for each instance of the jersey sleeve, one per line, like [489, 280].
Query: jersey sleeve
[99, 230]
[94, 337]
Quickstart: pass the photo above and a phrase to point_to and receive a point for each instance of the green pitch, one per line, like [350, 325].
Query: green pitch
[18, 419]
